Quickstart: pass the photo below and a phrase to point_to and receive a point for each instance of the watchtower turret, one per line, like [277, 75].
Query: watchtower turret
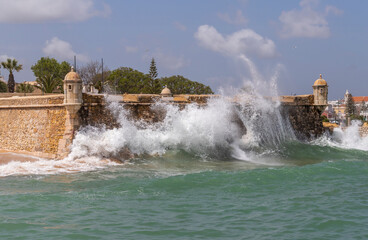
[72, 88]
[320, 91]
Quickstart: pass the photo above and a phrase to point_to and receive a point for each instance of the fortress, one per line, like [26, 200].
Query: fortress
[45, 125]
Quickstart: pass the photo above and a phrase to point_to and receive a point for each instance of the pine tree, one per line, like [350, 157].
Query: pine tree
[153, 70]
[154, 84]
[350, 106]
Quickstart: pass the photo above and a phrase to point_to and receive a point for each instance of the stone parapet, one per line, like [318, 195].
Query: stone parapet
[179, 98]
[297, 100]
[32, 100]
[39, 94]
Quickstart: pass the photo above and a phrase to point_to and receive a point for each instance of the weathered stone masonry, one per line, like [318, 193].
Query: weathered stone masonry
[33, 125]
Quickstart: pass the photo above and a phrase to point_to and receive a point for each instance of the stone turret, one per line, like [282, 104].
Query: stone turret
[166, 92]
[320, 91]
[73, 101]
[72, 88]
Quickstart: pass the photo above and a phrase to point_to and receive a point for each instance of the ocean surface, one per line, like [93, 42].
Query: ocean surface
[193, 177]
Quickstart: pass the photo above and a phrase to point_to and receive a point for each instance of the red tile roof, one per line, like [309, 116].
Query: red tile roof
[360, 99]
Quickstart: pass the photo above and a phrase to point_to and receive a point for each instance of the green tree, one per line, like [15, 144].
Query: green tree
[48, 83]
[3, 87]
[181, 85]
[64, 69]
[50, 66]
[350, 106]
[363, 106]
[128, 80]
[11, 65]
[24, 88]
[49, 69]
[325, 119]
[153, 83]
[153, 69]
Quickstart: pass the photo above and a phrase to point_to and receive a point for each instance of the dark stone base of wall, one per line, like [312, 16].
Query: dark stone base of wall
[305, 119]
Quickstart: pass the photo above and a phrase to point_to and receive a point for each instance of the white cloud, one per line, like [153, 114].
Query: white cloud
[237, 19]
[180, 26]
[167, 61]
[243, 42]
[30, 11]
[62, 49]
[3, 58]
[334, 10]
[306, 22]
[131, 49]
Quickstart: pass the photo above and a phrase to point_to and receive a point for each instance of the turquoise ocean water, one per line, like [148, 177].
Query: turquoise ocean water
[190, 198]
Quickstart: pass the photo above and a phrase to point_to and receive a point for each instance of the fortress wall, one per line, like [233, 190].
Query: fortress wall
[31, 100]
[15, 94]
[33, 125]
[364, 130]
[44, 126]
[95, 110]
[304, 116]
[305, 119]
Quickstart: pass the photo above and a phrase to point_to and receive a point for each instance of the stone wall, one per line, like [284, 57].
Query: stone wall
[34, 125]
[95, 111]
[31, 100]
[44, 126]
[305, 119]
[364, 130]
[34, 94]
[304, 116]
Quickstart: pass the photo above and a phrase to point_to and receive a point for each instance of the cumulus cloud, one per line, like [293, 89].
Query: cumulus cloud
[61, 49]
[244, 42]
[31, 11]
[306, 22]
[237, 19]
[167, 61]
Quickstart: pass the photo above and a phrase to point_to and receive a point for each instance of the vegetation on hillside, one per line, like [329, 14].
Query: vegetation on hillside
[50, 73]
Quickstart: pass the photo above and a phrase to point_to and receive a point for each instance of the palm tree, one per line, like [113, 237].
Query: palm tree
[11, 65]
[48, 83]
[25, 88]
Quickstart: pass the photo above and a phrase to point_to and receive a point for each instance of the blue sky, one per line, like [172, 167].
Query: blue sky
[203, 40]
